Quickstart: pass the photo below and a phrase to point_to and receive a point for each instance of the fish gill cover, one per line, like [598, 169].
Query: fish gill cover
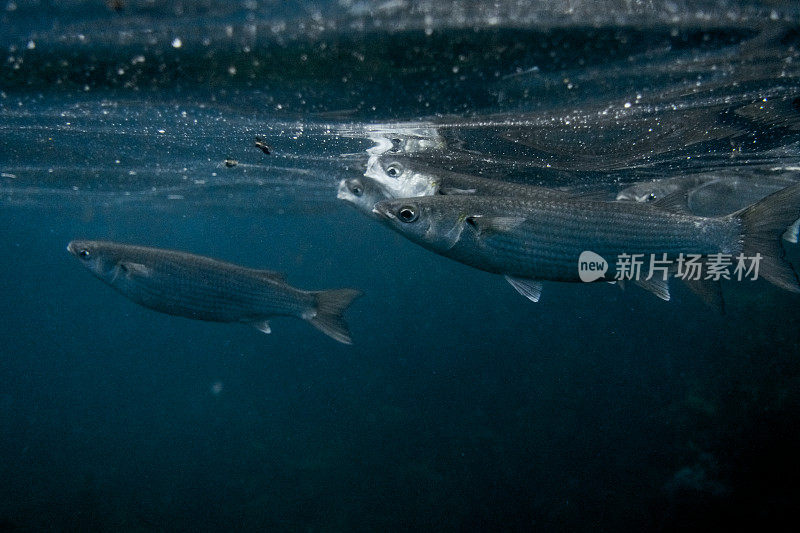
[229, 129]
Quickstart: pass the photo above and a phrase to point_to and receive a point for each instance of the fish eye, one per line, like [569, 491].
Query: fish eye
[394, 170]
[84, 253]
[407, 213]
[651, 197]
[355, 187]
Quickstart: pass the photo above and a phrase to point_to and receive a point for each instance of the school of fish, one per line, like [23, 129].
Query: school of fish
[532, 234]
[517, 228]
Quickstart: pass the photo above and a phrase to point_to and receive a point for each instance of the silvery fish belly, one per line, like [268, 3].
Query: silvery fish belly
[203, 288]
[543, 239]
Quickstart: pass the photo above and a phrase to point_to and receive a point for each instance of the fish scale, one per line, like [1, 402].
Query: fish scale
[230, 291]
[550, 239]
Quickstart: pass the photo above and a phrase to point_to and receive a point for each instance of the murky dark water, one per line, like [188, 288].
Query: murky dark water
[461, 405]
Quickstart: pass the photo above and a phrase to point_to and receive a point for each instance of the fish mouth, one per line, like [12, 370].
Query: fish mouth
[341, 192]
[71, 247]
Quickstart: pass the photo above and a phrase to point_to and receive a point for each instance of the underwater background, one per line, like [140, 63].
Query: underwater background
[461, 405]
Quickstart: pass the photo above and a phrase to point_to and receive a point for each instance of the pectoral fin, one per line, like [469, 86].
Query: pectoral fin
[451, 236]
[792, 233]
[262, 326]
[530, 289]
[492, 225]
[658, 286]
[135, 269]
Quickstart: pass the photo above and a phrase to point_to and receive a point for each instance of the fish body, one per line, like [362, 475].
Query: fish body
[712, 194]
[543, 239]
[202, 288]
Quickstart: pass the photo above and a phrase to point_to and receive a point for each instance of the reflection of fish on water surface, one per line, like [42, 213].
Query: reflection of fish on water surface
[713, 193]
[657, 137]
[397, 176]
[182, 284]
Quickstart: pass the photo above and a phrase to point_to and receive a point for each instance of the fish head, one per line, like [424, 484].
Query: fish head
[363, 193]
[97, 257]
[384, 169]
[422, 221]
[398, 178]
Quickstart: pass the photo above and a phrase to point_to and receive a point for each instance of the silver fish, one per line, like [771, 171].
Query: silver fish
[202, 288]
[542, 239]
[726, 195]
[398, 177]
[362, 193]
[711, 194]
[394, 139]
[405, 177]
[653, 190]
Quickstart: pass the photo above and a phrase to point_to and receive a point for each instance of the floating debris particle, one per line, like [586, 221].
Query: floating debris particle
[115, 5]
[261, 143]
[231, 162]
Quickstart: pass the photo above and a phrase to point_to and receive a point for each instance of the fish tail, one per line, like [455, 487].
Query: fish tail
[330, 307]
[763, 225]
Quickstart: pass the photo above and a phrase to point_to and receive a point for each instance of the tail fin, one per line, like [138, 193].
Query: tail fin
[330, 306]
[763, 225]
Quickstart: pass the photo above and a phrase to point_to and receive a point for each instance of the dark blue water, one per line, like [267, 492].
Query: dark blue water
[461, 405]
